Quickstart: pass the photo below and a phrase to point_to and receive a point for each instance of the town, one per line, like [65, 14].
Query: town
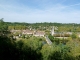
[26, 40]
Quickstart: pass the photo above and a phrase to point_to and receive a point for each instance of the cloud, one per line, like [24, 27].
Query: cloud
[75, 4]
[52, 13]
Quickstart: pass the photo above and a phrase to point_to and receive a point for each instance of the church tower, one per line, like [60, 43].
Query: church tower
[52, 31]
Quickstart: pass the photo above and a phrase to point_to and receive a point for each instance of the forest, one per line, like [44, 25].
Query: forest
[33, 48]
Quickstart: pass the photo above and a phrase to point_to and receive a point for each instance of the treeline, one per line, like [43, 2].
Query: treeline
[61, 27]
[39, 24]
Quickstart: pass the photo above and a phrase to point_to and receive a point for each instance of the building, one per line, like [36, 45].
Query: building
[29, 32]
[12, 31]
[52, 31]
[39, 33]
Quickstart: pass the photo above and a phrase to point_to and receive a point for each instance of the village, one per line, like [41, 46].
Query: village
[18, 34]
[39, 40]
[39, 29]
[39, 33]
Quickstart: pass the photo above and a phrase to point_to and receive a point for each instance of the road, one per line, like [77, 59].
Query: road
[48, 40]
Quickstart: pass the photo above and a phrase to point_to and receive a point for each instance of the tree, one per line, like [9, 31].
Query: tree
[74, 49]
[51, 37]
[3, 27]
[74, 36]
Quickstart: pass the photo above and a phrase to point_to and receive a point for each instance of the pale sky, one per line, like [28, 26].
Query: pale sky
[31, 11]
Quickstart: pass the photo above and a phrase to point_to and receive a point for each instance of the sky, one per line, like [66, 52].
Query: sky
[32, 11]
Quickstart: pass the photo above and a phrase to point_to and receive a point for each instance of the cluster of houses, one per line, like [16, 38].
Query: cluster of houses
[29, 32]
[39, 33]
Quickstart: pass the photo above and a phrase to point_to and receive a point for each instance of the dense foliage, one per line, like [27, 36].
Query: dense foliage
[35, 50]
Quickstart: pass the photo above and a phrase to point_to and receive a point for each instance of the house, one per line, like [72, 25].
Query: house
[14, 31]
[69, 33]
[78, 34]
[29, 32]
[39, 33]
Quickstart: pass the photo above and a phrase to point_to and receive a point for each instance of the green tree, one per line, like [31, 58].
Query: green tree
[74, 36]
